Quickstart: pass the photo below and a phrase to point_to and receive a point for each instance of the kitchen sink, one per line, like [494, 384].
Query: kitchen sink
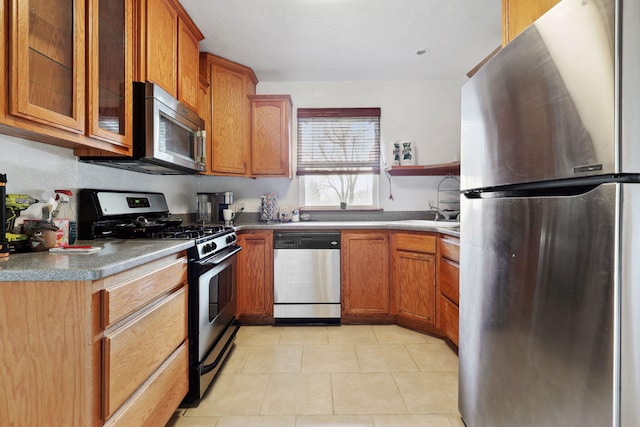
[431, 223]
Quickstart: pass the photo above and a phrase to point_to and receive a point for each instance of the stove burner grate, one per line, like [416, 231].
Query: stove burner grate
[191, 232]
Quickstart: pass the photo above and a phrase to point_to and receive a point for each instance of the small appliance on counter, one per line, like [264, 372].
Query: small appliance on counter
[210, 207]
[13, 205]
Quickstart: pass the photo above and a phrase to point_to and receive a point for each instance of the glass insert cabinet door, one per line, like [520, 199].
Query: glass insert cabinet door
[110, 70]
[48, 62]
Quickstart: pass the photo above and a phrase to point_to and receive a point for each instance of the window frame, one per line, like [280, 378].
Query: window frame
[371, 160]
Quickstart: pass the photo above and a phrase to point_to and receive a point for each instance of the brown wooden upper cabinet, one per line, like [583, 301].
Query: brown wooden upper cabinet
[168, 49]
[47, 62]
[228, 122]
[270, 135]
[517, 15]
[68, 78]
[110, 68]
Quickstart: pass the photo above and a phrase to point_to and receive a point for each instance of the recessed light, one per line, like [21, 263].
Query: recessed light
[422, 51]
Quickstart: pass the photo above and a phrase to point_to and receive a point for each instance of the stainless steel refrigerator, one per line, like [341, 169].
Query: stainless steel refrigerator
[550, 224]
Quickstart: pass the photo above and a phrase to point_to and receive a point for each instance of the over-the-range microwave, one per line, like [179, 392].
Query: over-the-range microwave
[168, 137]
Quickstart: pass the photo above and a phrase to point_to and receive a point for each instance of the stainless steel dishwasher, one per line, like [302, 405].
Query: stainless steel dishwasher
[306, 275]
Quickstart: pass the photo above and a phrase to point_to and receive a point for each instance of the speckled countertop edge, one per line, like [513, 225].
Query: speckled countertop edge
[115, 256]
[409, 225]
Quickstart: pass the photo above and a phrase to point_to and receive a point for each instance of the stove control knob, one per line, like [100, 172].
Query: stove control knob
[231, 238]
[209, 247]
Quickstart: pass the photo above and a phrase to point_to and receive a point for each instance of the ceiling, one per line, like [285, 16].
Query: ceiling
[350, 40]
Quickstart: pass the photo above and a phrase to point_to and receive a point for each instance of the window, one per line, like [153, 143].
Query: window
[339, 156]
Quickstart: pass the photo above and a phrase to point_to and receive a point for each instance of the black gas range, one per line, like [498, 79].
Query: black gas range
[109, 214]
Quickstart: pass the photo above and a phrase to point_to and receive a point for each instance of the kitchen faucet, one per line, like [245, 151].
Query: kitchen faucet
[439, 212]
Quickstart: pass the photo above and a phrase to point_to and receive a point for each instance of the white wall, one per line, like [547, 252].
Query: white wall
[425, 112]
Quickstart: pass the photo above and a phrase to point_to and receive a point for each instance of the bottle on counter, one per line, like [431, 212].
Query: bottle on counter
[4, 244]
[65, 219]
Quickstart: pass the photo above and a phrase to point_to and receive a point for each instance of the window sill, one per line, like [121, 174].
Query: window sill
[337, 209]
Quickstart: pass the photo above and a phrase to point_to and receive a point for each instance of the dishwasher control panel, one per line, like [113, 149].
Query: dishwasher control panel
[306, 240]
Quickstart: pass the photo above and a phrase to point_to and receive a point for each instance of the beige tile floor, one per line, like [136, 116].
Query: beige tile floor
[350, 375]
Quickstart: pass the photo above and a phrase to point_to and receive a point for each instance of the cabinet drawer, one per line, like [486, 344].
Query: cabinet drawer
[450, 249]
[448, 319]
[130, 295]
[415, 242]
[153, 403]
[134, 351]
[449, 280]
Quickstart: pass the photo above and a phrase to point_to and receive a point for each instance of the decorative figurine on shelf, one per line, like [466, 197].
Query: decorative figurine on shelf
[396, 154]
[408, 157]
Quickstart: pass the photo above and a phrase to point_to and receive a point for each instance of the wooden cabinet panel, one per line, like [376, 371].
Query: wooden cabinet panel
[133, 352]
[449, 280]
[448, 318]
[188, 54]
[229, 122]
[131, 295]
[47, 62]
[46, 353]
[155, 402]
[270, 135]
[416, 242]
[414, 279]
[415, 282]
[229, 110]
[448, 286]
[161, 45]
[517, 15]
[255, 277]
[450, 248]
[365, 275]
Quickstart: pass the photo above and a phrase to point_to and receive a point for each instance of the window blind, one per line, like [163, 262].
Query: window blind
[338, 141]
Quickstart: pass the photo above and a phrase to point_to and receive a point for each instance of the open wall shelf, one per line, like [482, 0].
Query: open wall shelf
[441, 169]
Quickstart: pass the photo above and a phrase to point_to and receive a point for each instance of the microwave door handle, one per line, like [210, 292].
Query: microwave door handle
[200, 142]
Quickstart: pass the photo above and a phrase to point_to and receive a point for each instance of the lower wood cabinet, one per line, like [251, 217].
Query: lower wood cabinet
[135, 350]
[91, 353]
[414, 279]
[403, 277]
[449, 285]
[365, 276]
[255, 277]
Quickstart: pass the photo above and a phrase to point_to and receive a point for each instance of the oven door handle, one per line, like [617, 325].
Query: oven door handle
[218, 260]
[204, 369]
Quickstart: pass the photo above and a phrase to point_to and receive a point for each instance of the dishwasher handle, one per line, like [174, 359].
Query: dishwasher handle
[308, 240]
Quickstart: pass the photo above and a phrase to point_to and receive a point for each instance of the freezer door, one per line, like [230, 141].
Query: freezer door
[537, 310]
[543, 108]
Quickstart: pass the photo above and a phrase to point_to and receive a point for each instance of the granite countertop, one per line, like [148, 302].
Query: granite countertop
[114, 257]
[119, 255]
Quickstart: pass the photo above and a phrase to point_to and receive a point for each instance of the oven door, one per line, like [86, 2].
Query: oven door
[216, 304]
